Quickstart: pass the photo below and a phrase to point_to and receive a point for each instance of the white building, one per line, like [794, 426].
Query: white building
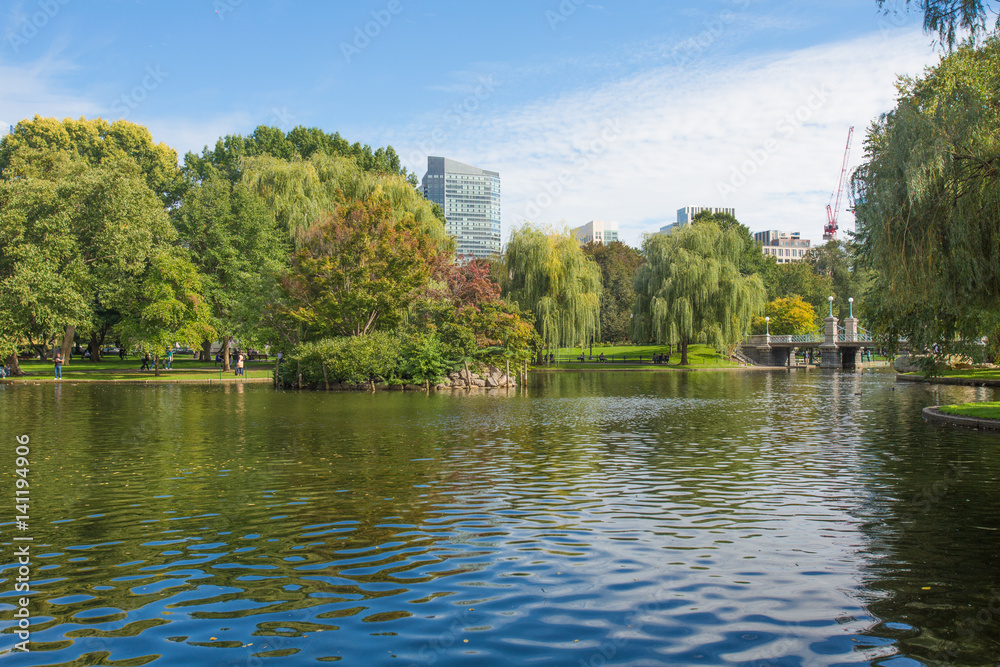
[784, 246]
[597, 231]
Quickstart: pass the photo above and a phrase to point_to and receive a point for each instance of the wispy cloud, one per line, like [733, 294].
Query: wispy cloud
[779, 120]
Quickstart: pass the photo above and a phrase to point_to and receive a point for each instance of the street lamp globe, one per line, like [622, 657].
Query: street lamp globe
[850, 300]
[767, 325]
[831, 305]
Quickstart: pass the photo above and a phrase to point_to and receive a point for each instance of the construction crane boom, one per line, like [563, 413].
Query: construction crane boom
[830, 230]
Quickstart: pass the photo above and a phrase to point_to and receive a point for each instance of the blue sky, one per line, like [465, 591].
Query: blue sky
[619, 111]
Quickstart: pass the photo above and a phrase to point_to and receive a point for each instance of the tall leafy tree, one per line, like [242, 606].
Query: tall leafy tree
[300, 143]
[949, 18]
[837, 262]
[618, 263]
[167, 307]
[81, 234]
[790, 315]
[300, 192]
[30, 149]
[239, 251]
[801, 280]
[750, 259]
[358, 269]
[690, 288]
[928, 204]
[548, 275]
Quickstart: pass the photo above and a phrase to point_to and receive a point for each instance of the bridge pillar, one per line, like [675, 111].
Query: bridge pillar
[829, 346]
[850, 329]
[849, 357]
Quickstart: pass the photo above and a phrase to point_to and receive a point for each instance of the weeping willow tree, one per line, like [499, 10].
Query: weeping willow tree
[301, 192]
[928, 205]
[690, 289]
[548, 274]
[950, 18]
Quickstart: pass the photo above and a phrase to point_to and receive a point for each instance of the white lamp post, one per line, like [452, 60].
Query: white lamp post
[851, 302]
[767, 325]
[831, 305]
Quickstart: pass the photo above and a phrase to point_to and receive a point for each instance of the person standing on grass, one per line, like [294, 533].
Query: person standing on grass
[239, 363]
[57, 359]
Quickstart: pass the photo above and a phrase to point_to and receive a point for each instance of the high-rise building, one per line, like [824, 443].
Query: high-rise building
[686, 215]
[596, 230]
[470, 199]
[786, 247]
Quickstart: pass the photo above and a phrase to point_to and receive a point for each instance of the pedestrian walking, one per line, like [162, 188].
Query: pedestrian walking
[57, 359]
[170, 359]
[145, 362]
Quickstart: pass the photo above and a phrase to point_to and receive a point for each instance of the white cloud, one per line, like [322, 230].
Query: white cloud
[765, 136]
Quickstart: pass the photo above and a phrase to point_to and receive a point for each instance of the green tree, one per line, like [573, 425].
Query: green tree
[788, 316]
[95, 226]
[928, 204]
[548, 274]
[800, 279]
[302, 191]
[358, 269]
[300, 143]
[750, 259]
[837, 261]
[29, 151]
[949, 18]
[618, 263]
[239, 251]
[690, 288]
[167, 306]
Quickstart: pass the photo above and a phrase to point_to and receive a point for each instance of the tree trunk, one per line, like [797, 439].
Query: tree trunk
[15, 367]
[507, 378]
[156, 365]
[225, 353]
[276, 372]
[468, 376]
[206, 351]
[684, 351]
[326, 380]
[67, 344]
[539, 361]
[95, 347]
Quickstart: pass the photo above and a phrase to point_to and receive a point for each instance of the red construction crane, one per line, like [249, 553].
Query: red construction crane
[830, 231]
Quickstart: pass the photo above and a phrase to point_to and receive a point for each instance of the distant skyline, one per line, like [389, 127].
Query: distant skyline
[621, 112]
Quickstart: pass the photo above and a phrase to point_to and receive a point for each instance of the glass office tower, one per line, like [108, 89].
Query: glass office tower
[470, 199]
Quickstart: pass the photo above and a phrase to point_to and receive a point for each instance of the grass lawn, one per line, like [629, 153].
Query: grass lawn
[984, 410]
[699, 356]
[115, 369]
[973, 373]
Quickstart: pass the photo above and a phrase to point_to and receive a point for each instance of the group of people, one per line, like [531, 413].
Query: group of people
[661, 358]
[237, 359]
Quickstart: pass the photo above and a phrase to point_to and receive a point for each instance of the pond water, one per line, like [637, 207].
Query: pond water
[747, 518]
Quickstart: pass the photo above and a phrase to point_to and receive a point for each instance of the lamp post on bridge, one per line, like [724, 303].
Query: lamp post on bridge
[767, 325]
[830, 298]
[850, 302]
